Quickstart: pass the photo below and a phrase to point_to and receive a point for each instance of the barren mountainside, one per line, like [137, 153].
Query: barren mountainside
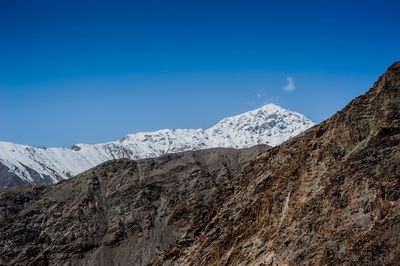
[329, 196]
[128, 209]
[270, 125]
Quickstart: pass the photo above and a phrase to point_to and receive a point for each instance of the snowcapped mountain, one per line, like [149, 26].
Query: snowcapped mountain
[269, 125]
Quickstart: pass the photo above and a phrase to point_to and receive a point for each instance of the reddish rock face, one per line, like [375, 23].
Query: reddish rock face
[327, 197]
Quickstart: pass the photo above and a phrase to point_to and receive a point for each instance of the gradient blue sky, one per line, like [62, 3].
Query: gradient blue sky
[93, 71]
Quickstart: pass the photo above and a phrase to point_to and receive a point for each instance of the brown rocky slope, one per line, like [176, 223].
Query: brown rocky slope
[327, 197]
[121, 213]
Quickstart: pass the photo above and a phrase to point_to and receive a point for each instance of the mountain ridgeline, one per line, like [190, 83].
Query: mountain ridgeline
[270, 125]
[329, 196]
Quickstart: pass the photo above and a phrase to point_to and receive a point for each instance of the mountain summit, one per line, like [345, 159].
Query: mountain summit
[270, 125]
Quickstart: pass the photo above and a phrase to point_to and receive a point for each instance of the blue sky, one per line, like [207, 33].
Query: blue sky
[93, 71]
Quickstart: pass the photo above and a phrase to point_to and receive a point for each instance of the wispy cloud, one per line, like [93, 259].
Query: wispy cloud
[272, 99]
[260, 96]
[261, 99]
[290, 85]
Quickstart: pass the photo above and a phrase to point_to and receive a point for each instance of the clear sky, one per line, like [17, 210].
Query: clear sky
[94, 71]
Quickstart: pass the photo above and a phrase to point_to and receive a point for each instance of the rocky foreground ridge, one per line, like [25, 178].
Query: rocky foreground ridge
[330, 196]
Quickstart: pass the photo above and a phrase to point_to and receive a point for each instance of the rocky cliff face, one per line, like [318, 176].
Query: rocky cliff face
[270, 125]
[330, 196]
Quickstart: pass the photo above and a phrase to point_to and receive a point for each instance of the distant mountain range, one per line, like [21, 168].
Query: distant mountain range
[270, 125]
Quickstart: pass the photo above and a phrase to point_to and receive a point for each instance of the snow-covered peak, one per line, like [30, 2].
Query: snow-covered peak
[269, 125]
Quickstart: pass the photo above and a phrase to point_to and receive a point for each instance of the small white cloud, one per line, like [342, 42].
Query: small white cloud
[290, 86]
